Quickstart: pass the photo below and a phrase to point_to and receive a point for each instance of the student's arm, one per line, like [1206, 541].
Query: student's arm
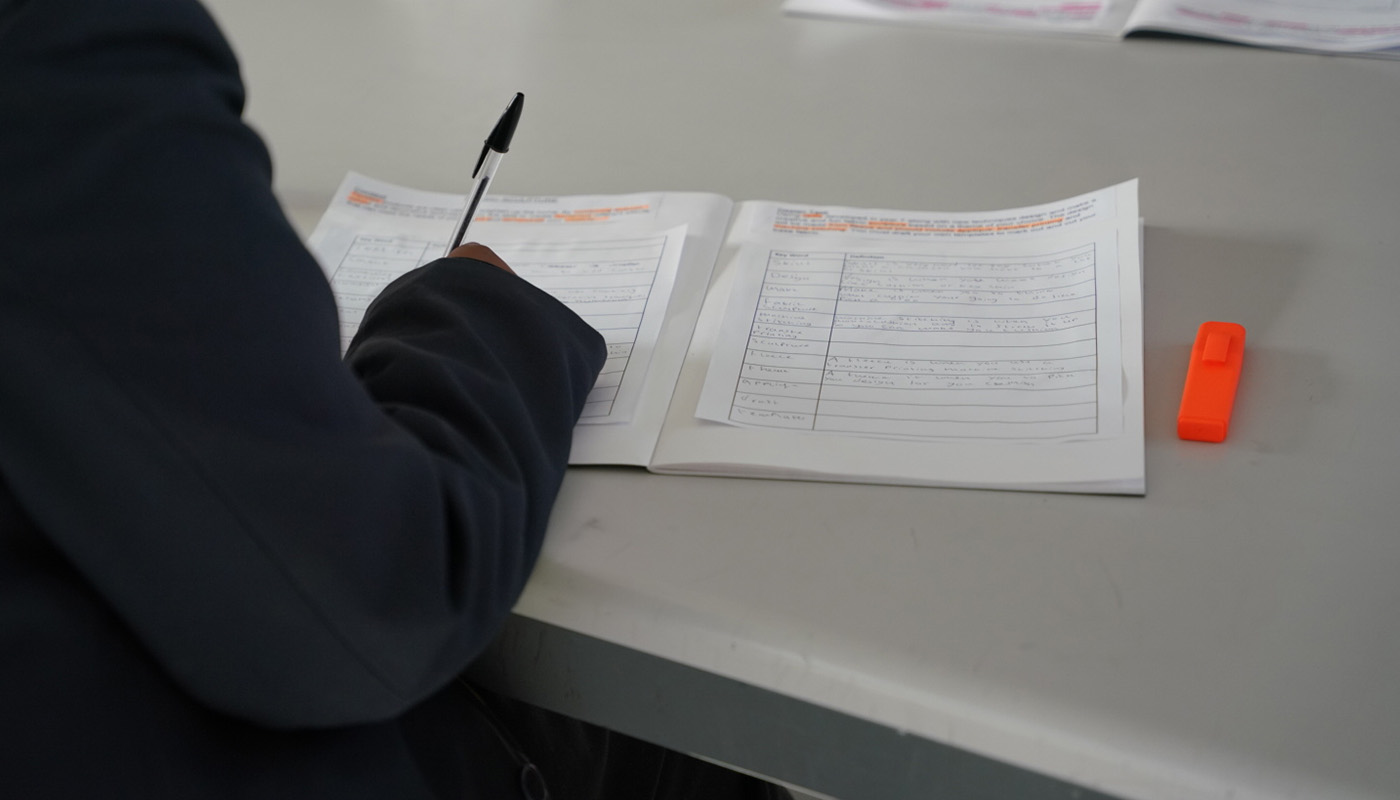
[295, 539]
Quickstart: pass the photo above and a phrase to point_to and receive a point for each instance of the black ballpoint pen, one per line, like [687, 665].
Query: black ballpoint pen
[497, 145]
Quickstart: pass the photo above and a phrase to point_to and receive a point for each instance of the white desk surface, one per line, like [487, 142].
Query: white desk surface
[1233, 634]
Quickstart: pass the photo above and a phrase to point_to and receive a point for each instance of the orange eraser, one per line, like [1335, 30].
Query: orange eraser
[1211, 379]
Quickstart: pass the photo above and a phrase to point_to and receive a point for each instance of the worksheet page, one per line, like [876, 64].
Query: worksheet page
[1344, 26]
[996, 349]
[616, 260]
[881, 323]
[618, 285]
[1355, 27]
[618, 281]
[1096, 17]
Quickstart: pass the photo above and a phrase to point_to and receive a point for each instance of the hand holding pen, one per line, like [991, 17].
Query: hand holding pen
[497, 145]
[479, 252]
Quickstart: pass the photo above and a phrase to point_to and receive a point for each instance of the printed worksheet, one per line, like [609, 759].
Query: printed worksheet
[998, 349]
[618, 279]
[1336, 26]
[1103, 18]
[898, 325]
[1340, 27]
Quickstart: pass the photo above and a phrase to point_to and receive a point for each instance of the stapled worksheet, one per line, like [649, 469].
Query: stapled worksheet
[978, 349]
[1338, 27]
[615, 260]
[998, 349]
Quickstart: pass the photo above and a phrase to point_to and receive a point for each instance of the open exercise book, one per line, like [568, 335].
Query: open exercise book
[780, 340]
[1339, 27]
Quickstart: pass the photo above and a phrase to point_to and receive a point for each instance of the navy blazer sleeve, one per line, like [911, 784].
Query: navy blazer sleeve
[295, 539]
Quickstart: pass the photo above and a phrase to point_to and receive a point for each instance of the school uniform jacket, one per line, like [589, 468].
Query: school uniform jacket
[233, 564]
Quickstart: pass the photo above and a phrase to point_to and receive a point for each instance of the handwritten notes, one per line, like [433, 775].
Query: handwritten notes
[918, 325]
[914, 346]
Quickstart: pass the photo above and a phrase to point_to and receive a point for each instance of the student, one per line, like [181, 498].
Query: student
[233, 564]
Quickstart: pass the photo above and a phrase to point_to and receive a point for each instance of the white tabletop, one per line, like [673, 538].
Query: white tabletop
[1230, 635]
